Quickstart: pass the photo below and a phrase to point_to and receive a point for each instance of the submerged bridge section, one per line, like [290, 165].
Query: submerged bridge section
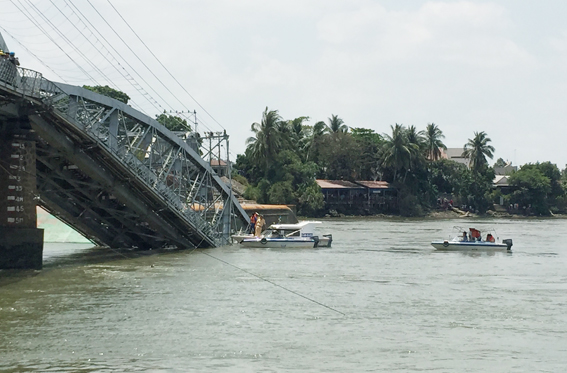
[114, 174]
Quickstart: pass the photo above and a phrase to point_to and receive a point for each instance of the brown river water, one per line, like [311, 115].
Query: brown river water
[381, 300]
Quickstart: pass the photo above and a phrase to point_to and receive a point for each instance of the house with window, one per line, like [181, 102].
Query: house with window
[358, 197]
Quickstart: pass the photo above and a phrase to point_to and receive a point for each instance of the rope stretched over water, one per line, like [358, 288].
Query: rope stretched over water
[273, 283]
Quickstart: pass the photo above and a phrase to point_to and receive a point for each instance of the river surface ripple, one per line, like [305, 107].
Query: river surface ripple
[381, 299]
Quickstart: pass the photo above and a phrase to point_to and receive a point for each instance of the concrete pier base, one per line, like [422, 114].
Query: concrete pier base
[21, 248]
[21, 242]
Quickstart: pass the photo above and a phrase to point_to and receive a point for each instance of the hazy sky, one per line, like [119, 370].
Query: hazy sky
[494, 66]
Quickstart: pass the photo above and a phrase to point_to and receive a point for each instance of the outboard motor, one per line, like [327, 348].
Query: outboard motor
[508, 243]
[316, 239]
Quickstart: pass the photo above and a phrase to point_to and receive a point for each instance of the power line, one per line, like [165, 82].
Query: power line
[29, 17]
[128, 46]
[66, 39]
[170, 74]
[144, 92]
[30, 52]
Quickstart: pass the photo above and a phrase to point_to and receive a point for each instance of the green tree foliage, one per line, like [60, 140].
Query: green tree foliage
[267, 140]
[539, 186]
[277, 163]
[314, 138]
[299, 136]
[337, 156]
[293, 182]
[366, 159]
[551, 171]
[433, 142]
[447, 176]
[396, 152]
[173, 122]
[284, 157]
[476, 187]
[336, 125]
[477, 149]
[109, 92]
[416, 143]
[500, 163]
[532, 188]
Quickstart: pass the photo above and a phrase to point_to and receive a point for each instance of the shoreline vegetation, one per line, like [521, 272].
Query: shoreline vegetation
[284, 158]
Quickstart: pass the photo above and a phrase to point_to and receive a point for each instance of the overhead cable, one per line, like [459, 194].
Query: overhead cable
[166, 69]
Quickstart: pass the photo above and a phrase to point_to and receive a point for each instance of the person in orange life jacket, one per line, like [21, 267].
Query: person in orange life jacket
[253, 219]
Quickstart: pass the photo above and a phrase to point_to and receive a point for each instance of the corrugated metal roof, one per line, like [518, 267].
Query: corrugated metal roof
[374, 184]
[337, 184]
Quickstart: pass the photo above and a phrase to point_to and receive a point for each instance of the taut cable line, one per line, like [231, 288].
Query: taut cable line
[273, 283]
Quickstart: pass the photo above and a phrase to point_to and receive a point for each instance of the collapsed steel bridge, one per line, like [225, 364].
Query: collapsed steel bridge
[114, 174]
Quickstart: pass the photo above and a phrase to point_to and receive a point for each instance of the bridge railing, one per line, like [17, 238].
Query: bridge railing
[26, 82]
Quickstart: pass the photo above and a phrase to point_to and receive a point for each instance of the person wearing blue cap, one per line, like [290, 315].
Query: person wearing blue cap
[13, 59]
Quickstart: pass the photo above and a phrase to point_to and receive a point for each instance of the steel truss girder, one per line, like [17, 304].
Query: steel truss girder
[165, 190]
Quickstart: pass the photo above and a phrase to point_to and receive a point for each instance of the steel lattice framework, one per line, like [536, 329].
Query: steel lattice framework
[113, 173]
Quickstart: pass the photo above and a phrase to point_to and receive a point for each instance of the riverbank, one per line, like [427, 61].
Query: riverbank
[446, 214]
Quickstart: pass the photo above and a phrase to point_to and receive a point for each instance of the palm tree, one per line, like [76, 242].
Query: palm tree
[298, 140]
[416, 144]
[433, 143]
[267, 139]
[397, 150]
[477, 149]
[315, 136]
[336, 125]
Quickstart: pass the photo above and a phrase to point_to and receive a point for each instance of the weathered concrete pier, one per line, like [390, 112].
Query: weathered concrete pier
[21, 242]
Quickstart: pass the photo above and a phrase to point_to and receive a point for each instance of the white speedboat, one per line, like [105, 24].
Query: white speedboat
[472, 239]
[302, 235]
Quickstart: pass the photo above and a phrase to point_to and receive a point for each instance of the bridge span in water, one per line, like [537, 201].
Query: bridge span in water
[114, 174]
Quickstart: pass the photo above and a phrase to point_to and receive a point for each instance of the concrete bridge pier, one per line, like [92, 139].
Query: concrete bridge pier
[21, 242]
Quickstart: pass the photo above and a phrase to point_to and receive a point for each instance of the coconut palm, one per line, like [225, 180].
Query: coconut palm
[315, 136]
[298, 140]
[336, 125]
[433, 143]
[267, 139]
[477, 149]
[416, 144]
[396, 150]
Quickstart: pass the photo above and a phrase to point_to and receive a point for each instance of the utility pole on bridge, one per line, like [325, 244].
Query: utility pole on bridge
[21, 242]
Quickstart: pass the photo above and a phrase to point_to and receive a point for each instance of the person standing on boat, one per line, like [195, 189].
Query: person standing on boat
[260, 222]
[252, 226]
[464, 237]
